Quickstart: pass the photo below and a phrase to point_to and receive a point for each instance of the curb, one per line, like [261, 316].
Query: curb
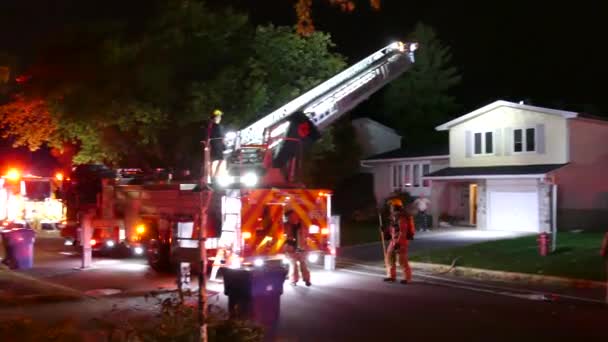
[26, 300]
[484, 274]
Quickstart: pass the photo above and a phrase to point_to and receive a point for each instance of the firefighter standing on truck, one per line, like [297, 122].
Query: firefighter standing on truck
[401, 230]
[215, 137]
[295, 248]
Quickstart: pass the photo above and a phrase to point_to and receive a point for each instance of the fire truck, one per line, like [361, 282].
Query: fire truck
[242, 209]
[31, 200]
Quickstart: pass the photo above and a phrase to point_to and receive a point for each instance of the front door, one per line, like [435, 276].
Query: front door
[473, 204]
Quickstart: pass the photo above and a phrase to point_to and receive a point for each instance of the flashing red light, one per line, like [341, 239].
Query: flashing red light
[13, 174]
[324, 231]
[59, 176]
[93, 242]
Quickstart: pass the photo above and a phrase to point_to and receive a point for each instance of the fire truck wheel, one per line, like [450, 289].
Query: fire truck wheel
[159, 256]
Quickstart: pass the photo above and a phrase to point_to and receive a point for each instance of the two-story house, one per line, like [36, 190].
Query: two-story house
[525, 168]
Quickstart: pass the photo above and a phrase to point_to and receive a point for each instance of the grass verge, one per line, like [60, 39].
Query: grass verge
[576, 256]
[354, 233]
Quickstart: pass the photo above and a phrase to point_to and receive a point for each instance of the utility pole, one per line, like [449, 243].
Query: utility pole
[202, 274]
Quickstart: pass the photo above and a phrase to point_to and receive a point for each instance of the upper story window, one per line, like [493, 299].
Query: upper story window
[483, 143]
[524, 140]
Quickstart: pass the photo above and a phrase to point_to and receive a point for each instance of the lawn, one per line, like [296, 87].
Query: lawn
[353, 233]
[577, 256]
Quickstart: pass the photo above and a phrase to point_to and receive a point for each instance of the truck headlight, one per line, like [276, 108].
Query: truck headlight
[138, 250]
[110, 243]
[225, 180]
[313, 258]
[249, 179]
[258, 262]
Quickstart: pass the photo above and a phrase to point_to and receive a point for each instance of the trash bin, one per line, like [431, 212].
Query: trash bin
[255, 294]
[19, 248]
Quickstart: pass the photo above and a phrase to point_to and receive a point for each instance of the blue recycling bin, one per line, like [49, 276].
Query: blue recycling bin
[19, 248]
[255, 294]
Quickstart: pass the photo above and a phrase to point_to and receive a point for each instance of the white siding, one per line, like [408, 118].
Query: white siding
[551, 147]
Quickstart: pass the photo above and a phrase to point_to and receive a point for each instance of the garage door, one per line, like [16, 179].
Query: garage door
[515, 211]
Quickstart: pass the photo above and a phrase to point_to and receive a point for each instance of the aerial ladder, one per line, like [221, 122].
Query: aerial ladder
[312, 112]
[264, 155]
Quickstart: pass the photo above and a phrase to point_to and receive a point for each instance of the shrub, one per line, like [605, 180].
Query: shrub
[176, 322]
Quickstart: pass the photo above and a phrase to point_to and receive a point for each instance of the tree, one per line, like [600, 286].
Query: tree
[419, 100]
[139, 95]
[304, 12]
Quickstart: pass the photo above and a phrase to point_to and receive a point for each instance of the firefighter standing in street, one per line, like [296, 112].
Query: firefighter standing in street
[401, 230]
[215, 136]
[295, 248]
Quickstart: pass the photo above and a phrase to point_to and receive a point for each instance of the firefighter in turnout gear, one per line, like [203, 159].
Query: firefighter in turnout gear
[215, 140]
[295, 248]
[400, 231]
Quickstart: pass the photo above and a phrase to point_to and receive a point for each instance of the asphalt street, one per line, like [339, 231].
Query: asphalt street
[349, 304]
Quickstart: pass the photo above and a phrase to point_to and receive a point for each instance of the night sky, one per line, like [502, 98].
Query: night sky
[548, 55]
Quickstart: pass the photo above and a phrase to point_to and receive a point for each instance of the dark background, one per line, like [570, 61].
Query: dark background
[546, 54]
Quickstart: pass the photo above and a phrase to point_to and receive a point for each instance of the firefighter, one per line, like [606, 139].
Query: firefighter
[295, 248]
[401, 230]
[215, 136]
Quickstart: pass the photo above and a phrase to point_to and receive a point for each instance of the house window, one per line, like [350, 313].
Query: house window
[518, 140]
[407, 175]
[397, 176]
[425, 171]
[524, 140]
[484, 143]
[478, 143]
[530, 141]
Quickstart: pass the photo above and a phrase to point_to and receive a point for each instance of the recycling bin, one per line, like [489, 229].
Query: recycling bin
[255, 294]
[19, 248]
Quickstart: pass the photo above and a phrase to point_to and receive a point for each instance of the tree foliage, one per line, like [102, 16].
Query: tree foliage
[139, 95]
[419, 100]
[304, 12]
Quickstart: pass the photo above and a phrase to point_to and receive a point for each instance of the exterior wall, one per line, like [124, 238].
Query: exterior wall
[502, 121]
[375, 138]
[482, 217]
[544, 207]
[582, 186]
[451, 198]
[383, 176]
[439, 200]
[382, 181]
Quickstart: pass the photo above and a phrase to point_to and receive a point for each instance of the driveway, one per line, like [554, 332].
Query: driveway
[434, 239]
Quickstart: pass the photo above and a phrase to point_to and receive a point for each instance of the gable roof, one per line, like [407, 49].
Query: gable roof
[412, 152]
[501, 103]
[368, 121]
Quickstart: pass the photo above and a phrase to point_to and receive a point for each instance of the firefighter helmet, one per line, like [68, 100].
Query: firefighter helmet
[395, 202]
[217, 112]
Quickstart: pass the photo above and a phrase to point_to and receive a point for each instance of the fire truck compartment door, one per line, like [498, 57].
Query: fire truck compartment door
[185, 231]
